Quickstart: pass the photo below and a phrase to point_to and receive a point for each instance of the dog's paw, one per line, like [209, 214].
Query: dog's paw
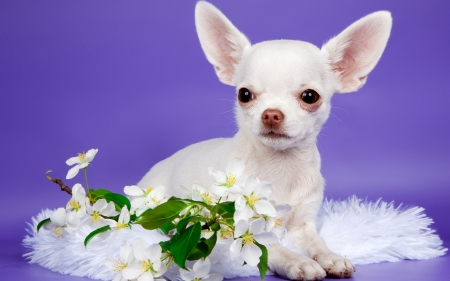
[335, 265]
[303, 268]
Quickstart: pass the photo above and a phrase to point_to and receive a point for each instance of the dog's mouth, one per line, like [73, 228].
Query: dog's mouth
[275, 135]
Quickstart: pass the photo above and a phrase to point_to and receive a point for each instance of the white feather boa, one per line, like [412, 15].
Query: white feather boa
[364, 232]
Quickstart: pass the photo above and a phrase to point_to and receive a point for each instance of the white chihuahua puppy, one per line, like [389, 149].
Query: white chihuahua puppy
[283, 93]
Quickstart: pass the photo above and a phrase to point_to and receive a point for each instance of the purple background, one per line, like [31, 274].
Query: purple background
[130, 78]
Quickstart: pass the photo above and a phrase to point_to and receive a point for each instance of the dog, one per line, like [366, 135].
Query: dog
[283, 94]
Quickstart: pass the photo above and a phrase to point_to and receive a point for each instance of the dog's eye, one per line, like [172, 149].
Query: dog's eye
[310, 96]
[245, 95]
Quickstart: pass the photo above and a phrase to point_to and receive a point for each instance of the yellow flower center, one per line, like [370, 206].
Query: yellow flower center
[226, 233]
[231, 179]
[58, 231]
[207, 198]
[82, 157]
[118, 266]
[74, 204]
[147, 266]
[96, 216]
[278, 222]
[248, 239]
[155, 200]
[252, 199]
[149, 190]
[120, 225]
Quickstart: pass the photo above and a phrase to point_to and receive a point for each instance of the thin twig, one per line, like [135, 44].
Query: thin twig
[59, 182]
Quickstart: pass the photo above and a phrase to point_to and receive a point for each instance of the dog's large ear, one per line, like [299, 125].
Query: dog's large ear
[221, 41]
[357, 49]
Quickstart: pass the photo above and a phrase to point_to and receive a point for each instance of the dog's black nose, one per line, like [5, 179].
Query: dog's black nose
[272, 118]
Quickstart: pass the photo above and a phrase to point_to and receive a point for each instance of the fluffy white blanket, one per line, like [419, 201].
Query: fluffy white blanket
[364, 232]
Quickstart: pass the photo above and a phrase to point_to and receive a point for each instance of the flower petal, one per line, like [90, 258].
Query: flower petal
[219, 176]
[187, 275]
[109, 210]
[146, 276]
[153, 253]
[236, 167]
[139, 247]
[250, 185]
[219, 191]
[72, 172]
[59, 217]
[138, 202]
[100, 205]
[257, 226]
[131, 273]
[161, 271]
[202, 267]
[83, 165]
[158, 192]
[251, 254]
[73, 221]
[124, 216]
[133, 190]
[263, 207]
[90, 155]
[73, 160]
[245, 214]
[125, 251]
[241, 228]
[109, 264]
[235, 248]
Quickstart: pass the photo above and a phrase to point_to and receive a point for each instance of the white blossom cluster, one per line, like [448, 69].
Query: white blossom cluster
[256, 220]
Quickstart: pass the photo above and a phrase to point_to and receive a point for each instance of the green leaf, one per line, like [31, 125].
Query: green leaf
[165, 245]
[211, 242]
[98, 193]
[41, 223]
[263, 264]
[182, 223]
[183, 244]
[203, 248]
[166, 228]
[161, 215]
[118, 199]
[198, 252]
[94, 233]
[215, 226]
[227, 207]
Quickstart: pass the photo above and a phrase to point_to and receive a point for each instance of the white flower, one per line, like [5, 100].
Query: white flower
[247, 235]
[117, 266]
[275, 224]
[200, 271]
[81, 161]
[60, 221]
[225, 233]
[144, 199]
[78, 202]
[122, 222]
[254, 199]
[97, 211]
[147, 264]
[201, 193]
[230, 181]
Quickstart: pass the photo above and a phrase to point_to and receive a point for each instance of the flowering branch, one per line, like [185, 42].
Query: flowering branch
[193, 224]
[59, 182]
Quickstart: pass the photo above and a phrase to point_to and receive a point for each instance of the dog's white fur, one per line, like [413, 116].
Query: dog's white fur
[277, 73]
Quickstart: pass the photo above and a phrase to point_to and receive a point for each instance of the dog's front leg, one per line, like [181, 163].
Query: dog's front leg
[292, 265]
[306, 238]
